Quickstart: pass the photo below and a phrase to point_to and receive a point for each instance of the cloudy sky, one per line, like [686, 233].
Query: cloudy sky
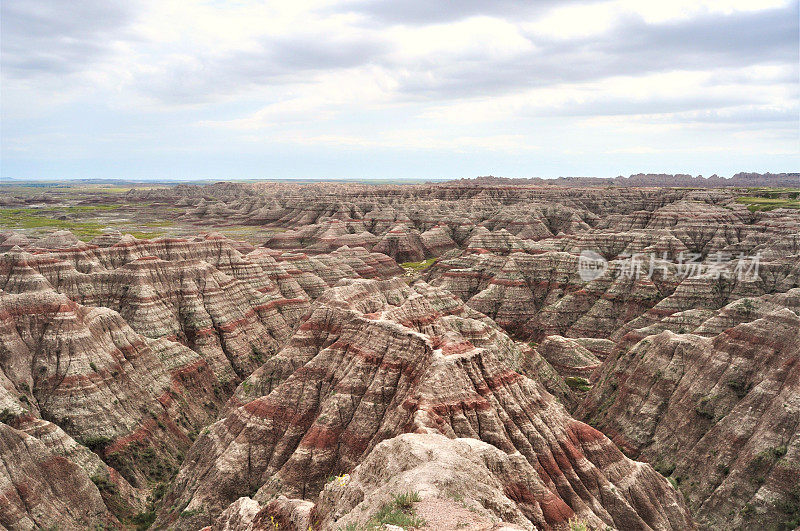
[397, 89]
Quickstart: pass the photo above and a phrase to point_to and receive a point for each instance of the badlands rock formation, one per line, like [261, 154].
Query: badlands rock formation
[376, 359]
[718, 414]
[114, 355]
[306, 379]
[42, 490]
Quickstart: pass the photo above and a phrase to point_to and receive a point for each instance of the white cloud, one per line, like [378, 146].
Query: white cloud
[654, 12]
[610, 78]
[463, 40]
[406, 139]
[573, 21]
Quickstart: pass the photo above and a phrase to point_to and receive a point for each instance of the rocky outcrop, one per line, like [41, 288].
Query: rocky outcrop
[438, 240]
[403, 243]
[134, 400]
[720, 415]
[440, 470]
[233, 309]
[379, 359]
[41, 490]
[568, 357]
[114, 355]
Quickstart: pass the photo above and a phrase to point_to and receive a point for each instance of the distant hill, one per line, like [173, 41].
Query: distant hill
[742, 179]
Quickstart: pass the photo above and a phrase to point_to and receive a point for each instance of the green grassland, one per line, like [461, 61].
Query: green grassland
[414, 267]
[33, 218]
[763, 199]
[85, 227]
[756, 204]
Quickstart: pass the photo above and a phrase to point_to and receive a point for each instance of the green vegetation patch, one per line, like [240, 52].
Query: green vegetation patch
[665, 468]
[34, 218]
[88, 208]
[578, 525]
[705, 407]
[96, 444]
[145, 235]
[762, 204]
[418, 266]
[144, 520]
[83, 229]
[399, 512]
[577, 382]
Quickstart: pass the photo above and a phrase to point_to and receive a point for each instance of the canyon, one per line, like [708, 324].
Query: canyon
[432, 356]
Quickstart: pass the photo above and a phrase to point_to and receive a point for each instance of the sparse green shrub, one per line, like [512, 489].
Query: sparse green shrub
[578, 382]
[664, 468]
[456, 496]
[705, 407]
[791, 508]
[739, 385]
[144, 520]
[193, 512]
[414, 267]
[399, 512]
[158, 492]
[6, 416]
[406, 500]
[104, 484]
[766, 457]
[578, 525]
[96, 444]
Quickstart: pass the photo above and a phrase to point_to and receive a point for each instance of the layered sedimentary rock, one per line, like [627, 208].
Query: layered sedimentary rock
[116, 391]
[115, 354]
[720, 415]
[402, 243]
[534, 295]
[41, 490]
[234, 309]
[568, 356]
[443, 472]
[438, 240]
[379, 359]
[672, 300]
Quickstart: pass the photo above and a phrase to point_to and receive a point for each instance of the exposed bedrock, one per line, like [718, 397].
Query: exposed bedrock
[720, 415]
[389, 359]
[115, 355]
[42, 490]
[257, 373]
[123, 395]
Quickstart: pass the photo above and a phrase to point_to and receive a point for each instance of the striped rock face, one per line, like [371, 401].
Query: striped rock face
[376, 359]
[114, 355]
[119, 393]
[207, 381]
[39, 489]
[719, 413]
